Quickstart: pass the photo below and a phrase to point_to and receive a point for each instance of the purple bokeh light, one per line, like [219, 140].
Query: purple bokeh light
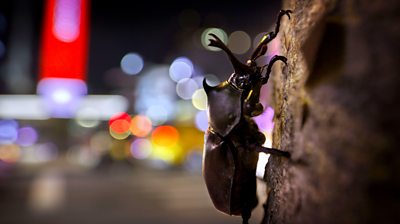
[27, 136]
[61, 96]
[265, 121]
[8, 131]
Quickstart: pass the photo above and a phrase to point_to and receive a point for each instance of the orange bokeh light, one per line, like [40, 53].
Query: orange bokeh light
[140, 126]
[166, 135]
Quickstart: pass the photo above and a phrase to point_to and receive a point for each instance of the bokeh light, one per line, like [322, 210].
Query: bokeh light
[186, 87]
[132, 63]
[201, 120]
[140, 126]
[66, 20]
[141, 148]
[199, 99]
[218, 32]
[212, 80]
[10, 153]
[239, 42]
[87, 117]
[157, 114]
[61, 95]
[120, 122]
[166, 136]
[181, 68]
[119, 125]
[27, 136]
[155, 95]
[8, 131]
[184, 112]
[265, 120]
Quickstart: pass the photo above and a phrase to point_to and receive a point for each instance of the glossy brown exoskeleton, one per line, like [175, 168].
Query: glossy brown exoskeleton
[233, 141]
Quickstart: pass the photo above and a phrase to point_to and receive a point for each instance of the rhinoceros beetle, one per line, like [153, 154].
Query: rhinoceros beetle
[233, 140]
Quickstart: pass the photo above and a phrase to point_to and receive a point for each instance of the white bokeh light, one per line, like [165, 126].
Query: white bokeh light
[132, 63]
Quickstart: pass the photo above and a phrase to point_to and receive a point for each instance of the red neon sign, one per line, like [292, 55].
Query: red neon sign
[64, 39]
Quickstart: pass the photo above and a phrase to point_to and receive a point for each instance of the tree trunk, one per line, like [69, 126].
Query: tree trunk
[337, 111]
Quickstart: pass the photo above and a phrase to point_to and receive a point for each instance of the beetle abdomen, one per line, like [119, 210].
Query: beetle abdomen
[218, 171]
[229, 175]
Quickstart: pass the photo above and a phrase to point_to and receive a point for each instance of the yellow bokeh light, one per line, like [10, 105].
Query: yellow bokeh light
[199, 99]
[118, 135]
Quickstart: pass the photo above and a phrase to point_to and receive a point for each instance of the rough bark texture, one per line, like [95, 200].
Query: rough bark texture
[337, 111]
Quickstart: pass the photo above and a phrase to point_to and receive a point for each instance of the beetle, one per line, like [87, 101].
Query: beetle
[232, 141]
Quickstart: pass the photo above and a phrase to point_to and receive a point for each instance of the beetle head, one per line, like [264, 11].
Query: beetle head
[244, 74]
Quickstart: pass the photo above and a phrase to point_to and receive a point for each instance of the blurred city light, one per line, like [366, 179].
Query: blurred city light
[184, 112]
[64, 43]
[66, 19]
[201, 120]
[212, 80]
[265, 120]
[165, 136]
[157, 114]
[61, 96]
[155, 95]
[239, 42]
[10, 153]
[186, 87]
[199, 99]
[47, 192]
[140, 126]
[120, 123]
[87, 117]
[8, 131]
[27, 136]
[181, 68]
[141, 148]
[132, 63]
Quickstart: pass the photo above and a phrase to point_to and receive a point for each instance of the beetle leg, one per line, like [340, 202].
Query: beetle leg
[272, 151]
[269, 66]
[262, 46]
[246, 216]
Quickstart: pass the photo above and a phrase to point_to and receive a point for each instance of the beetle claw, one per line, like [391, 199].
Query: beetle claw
[286, 12]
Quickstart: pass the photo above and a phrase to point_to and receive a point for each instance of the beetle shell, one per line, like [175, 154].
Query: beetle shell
[228, 167]
[232, 183]
[225, 105]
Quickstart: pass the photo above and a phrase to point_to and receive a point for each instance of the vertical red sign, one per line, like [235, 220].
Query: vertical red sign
[64, 45]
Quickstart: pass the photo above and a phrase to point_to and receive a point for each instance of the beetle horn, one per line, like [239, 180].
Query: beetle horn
[239, 67]
[206, 87]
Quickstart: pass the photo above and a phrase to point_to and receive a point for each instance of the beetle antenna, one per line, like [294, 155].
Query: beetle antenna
[239, 67]
[261, 49]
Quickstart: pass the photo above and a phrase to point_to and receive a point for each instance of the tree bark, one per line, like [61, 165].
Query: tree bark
[337, 111]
